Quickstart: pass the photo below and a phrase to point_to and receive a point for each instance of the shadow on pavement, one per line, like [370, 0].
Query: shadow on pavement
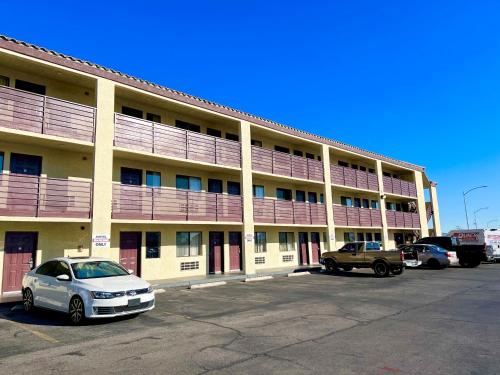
[353, 274]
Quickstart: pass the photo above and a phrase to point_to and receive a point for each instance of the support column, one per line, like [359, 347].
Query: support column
[422, 212]
[385, 230]
[436, 220]
[247, 192]
[103, 168]
[325, 154]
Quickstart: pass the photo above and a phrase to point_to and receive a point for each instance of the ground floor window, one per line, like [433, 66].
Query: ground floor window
[378, 237]
[287, 241]
[260, 242]
[153, 243]
[188, 244]
[348, 236]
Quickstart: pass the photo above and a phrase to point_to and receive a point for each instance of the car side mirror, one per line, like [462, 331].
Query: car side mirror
[63, 278]
[131, 272]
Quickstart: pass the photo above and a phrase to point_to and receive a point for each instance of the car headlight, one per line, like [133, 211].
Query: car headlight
[150, 289]
[106, 295]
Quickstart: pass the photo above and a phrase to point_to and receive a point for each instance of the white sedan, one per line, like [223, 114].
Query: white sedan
[86, 288]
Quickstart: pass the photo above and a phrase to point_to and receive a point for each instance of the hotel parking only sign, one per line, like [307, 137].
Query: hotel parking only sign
[101, 240]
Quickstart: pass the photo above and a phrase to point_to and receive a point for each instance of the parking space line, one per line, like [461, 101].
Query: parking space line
[34, 332]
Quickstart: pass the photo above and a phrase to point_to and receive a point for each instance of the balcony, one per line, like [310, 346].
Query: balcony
[165, 140]
[272, 211]
[21, 110]
[33, 196]
[398, 219]
[400, 187]
[356, 216]
[169, 204]
[283, 164]
[345, 176]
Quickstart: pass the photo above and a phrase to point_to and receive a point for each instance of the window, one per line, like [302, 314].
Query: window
[258, 191]
[284, 194]
[260, 242]
[405, 207]
[365, 203]
[26, 164]
[233, 137]
[298, 153]
[348, 236]
[321, 198]
[354, 166]
[346, 201]
[4, 81]
[378, 237]
[188, 183]
[348, 248]
[371, 170]
[233, 188]
[357, 202]
[398, 206]
[153, 117]
[375, 205]
[343, 163]
[372, 246]
[369, 236]
[312, 197]
[187, 126]
[129, 111]
[46, 269]
[153, 243]
[361, 168]
[256, 143]
[282, 149]
[300, 196]
[188, 244]
[153, 179]
[61, 268]
[214, 186]
[214, 132]
[287, 241]
[319, 158]
[309, 156]
[130, 176]
[30, 86]
[386, 174]
[361, 236]
[1, 162]
[390, 206]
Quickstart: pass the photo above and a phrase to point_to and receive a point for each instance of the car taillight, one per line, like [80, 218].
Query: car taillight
[449, 255]
[401, 256]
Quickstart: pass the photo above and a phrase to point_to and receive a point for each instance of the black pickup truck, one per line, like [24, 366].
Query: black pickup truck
[468, 255]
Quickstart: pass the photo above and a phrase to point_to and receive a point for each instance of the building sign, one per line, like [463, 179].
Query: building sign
[101, 240]
[249, 237]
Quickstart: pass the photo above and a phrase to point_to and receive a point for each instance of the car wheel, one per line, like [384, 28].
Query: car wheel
[433, 263]
[330, 265]
[76, 310]
[28, 300]
[398, 270]
[347, 268]
[381, 269]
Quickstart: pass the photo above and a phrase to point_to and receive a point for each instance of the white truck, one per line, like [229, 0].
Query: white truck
[489, 238]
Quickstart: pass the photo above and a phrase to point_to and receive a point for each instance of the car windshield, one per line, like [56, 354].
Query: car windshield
[97, 269]
[438, 249]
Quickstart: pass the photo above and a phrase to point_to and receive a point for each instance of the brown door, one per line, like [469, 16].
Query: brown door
[235, 251]
[316, 249]
[19, 257]
[303, 248]
[215, 252]
[130, 251]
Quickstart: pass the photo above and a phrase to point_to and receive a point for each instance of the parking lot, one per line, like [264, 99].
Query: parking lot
[423, 322]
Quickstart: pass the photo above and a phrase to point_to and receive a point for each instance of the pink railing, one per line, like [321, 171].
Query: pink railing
[401, 187]
[356, 216]
[141, 135]
[33, 196]
[398, 219]
[281, 163]
[147, 203]
[353, 177]
[35, 113]
[273, 211]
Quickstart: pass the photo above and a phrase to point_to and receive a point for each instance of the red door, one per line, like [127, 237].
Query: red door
[215, 251]
[235, 251]
[303, 248]
[130, 250]
[316, 249]
[19, 257]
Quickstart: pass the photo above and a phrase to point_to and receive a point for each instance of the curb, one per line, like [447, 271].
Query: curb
[207, 285]
[296, 274]
[257, 278]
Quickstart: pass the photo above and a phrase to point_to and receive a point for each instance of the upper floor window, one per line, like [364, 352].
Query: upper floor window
[1, 162]
[233, 188]
[153, 179]
[187, 126]
[26, 164]
[258, 191]
[30, 86]
[357, 202]
[312, 197]
[354, 166]
[365, 203]
[214, 132]
[129, 111]
[282, 149]
[361, 168]
[343, 163]
[256, 143]
[131, 176]
[375, 205]
[390, 206]
[188, 183]
[346, 201]
[153, 117]
[4, 81]
[386, 174]
[300, 196]
[309, 156]
[322, 198]
[214, 186]
[233, 137]
[371, 170]
[298, 153]
[284, 194]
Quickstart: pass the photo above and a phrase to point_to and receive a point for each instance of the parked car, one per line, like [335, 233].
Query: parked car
[426, 255]
[86, 288]
[364, 255]
[468, 255]
[486, 239]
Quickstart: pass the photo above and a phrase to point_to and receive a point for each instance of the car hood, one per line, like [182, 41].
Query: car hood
[114, 284]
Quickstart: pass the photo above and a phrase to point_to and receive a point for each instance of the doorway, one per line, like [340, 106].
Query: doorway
[216, 252]
[399, 238]
[130, 251]
[303, 248]
[315, 247]
[235, 251]
[19, 258]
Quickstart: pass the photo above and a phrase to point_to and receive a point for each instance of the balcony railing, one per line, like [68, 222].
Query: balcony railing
[147, 136]
[281, 163]
[356, 216]
[401, 187]
[353, 178]
[35, 113]
[273, 211]
[33, 196]
[162, 203]
[398, 219]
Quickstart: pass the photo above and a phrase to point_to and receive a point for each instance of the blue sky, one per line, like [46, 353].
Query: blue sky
[414, 80]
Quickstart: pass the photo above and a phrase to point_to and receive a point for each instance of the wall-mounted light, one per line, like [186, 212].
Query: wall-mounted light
[383, 196]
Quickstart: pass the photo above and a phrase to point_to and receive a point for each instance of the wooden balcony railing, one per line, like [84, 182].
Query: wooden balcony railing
[356, 216]
[281, 163]
[273, 211]
[401, 187]
[147, 203]
[398, 219]
[33, 196]
[35, 113]
[141, 135]
[354, 178]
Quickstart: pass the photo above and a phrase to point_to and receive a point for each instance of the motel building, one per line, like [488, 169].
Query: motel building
[95, 162]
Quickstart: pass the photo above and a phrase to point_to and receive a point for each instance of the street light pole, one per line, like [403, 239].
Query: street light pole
[465, 202]
[475, 212]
